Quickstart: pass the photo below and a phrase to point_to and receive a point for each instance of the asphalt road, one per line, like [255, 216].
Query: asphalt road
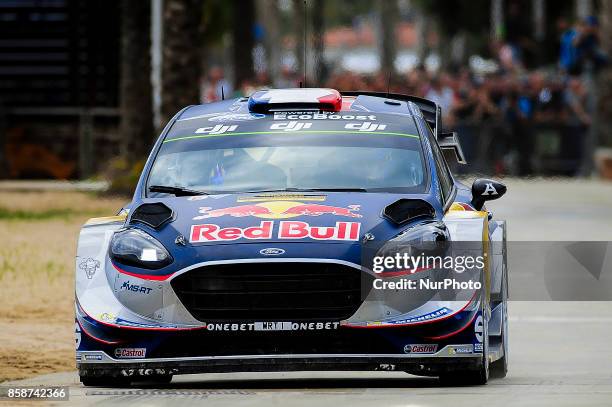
[560, 353]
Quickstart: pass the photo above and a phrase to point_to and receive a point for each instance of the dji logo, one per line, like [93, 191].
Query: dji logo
[365, 126]
[291, 126]
[217, 129]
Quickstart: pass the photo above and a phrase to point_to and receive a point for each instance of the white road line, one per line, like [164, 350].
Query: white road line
[553, 319]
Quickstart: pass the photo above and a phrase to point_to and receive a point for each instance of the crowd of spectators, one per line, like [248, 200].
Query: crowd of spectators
[512, 101]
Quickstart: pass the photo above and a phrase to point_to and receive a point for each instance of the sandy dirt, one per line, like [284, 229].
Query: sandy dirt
[38, 234]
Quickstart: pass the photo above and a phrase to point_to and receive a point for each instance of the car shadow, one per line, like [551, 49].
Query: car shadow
[284, 383]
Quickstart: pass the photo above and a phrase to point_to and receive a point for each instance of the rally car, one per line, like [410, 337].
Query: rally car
[263, 236]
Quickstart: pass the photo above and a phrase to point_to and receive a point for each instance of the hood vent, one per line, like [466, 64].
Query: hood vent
[152, 214]
[404, 210]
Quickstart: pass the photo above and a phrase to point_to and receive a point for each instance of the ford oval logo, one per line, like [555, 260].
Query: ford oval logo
[272, 251]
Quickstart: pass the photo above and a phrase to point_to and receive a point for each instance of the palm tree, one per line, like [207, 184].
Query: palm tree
[136, 126]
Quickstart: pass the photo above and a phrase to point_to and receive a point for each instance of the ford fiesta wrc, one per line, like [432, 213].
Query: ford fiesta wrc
[293, 230]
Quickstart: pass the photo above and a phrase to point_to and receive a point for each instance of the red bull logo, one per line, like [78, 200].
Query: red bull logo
[279, 210]
[347, 231]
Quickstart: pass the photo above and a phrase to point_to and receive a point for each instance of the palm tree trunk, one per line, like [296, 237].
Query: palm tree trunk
[181, 64]
[268, 14]
[387, 18]
[136, 127]
[318, 43]
[298, 24]
[242, 32]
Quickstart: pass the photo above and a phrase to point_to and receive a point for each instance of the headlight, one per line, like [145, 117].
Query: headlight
[136, 248]
[421, 240]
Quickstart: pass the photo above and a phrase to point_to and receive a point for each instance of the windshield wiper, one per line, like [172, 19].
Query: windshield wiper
[177, 191]
[311, 190]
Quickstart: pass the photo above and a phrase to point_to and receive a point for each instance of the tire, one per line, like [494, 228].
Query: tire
[499, 368]
[105, 381]
[475, 377]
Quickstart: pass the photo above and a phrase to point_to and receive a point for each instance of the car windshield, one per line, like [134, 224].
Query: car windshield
[260, 161]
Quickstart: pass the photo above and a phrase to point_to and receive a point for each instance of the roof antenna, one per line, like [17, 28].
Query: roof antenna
[388, 82]
[305, 42]
[222, 93]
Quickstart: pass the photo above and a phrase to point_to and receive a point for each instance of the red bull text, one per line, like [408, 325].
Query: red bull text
[346, 231]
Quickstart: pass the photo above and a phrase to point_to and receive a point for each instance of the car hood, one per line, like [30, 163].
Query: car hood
[334, 217]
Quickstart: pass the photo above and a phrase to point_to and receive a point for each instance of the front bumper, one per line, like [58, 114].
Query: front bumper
[446, 360]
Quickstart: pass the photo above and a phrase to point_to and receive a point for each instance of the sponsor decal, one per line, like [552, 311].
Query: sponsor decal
[203, 197]
[321, 116]
[459, 349]
[127, 286]
[272, 251]
[124, 322]
[279, 210]
[347, 231]
[214, 233]
[90, 266]
[77, 335]
[236, 117]
[425, 348]
[291, 126]
[273, 326]
[460, 206]
[130, 353]
[425, 317]
[479, 329]
[365, 126]
[489, 190]
[107, 317]
[217, 129]
[280, 197]
[479, 333]
[386, 367]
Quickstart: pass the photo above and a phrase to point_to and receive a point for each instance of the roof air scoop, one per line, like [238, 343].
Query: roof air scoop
[300, 99]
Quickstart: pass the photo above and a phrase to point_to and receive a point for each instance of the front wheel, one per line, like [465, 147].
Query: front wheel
[477, 376]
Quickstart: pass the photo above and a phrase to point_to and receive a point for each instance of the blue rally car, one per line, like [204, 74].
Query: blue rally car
[254, 238]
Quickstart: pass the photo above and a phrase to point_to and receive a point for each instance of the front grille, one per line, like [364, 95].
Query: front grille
[270, 292]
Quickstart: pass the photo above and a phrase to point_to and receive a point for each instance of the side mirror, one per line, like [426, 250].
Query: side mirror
[486, 190]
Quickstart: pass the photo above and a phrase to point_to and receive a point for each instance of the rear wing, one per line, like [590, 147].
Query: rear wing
[431, 111]
[432, 114]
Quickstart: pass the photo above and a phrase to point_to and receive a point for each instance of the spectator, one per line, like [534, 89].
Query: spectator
[442, 94]
[580, 45]
[215, 87]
